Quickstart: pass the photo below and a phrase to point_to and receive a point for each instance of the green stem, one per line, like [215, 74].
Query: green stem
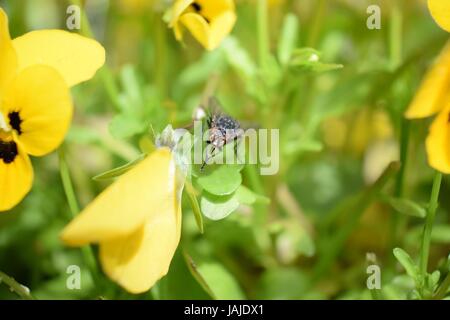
[67, 184]
[87, 252]
[395, 35]
[161, 57]
[105, 73]
[110, 86]
[317, 23]
[426, 238]
[16, 287]
[442, 290]
[404, 145]
[400, 180]
[395, 53]
[263, 32]
[190, 191]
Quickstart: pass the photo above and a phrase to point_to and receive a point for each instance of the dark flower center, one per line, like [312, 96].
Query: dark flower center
[8, 151]
[198, 8]
[15, 121]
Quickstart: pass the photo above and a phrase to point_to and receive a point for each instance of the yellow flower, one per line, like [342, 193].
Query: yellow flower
[209, 21]
[431, 98]
[433, 91]
[434, 96]
[36, 71]
[440, 10]
[438, 141]
[136, 222]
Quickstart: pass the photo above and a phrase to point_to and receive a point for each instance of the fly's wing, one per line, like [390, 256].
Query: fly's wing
[214, 107]
[206, 110]
[245, 124]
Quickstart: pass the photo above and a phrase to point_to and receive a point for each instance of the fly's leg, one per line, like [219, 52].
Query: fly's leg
[205, 162]
[237, 143]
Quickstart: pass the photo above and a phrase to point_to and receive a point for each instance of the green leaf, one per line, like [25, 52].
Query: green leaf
[218, 207]
[199, 72]
[306, 244]
[271, 72]
[307, 145]
[221, 282]
[441, 234]
[398, 288]
[304, 55]
[126, 125]
[180, 283]
[223, 180]
[131, 87]
[196, 274]
[246, 196]
[414, 295]
[238, 58]
[194, 205]
[288, 38]
[242, 63]
[308, 59]
[405, 260]
[323, 67]
[433, 280]
[406, 207]
[114, 173]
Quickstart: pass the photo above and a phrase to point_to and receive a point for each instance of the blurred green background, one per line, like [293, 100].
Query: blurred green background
[340, 128]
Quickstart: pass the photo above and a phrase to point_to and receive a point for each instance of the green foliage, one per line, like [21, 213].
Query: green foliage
[221, 282]
[116, 172]
[218, 207]
[223, 180]
[407, 207]
[336, 90]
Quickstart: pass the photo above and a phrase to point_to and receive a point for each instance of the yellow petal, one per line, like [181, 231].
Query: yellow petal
[220, 28]
[8, 57]
[178, 32]
[438, 142]
[198, 26]
[177, 9]
[208, 21]
[42, 100]
[77, 58]
[16, 179]
[212, 9]
[123, 207]
[433, 90]
[440, 10]
[136, 262]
